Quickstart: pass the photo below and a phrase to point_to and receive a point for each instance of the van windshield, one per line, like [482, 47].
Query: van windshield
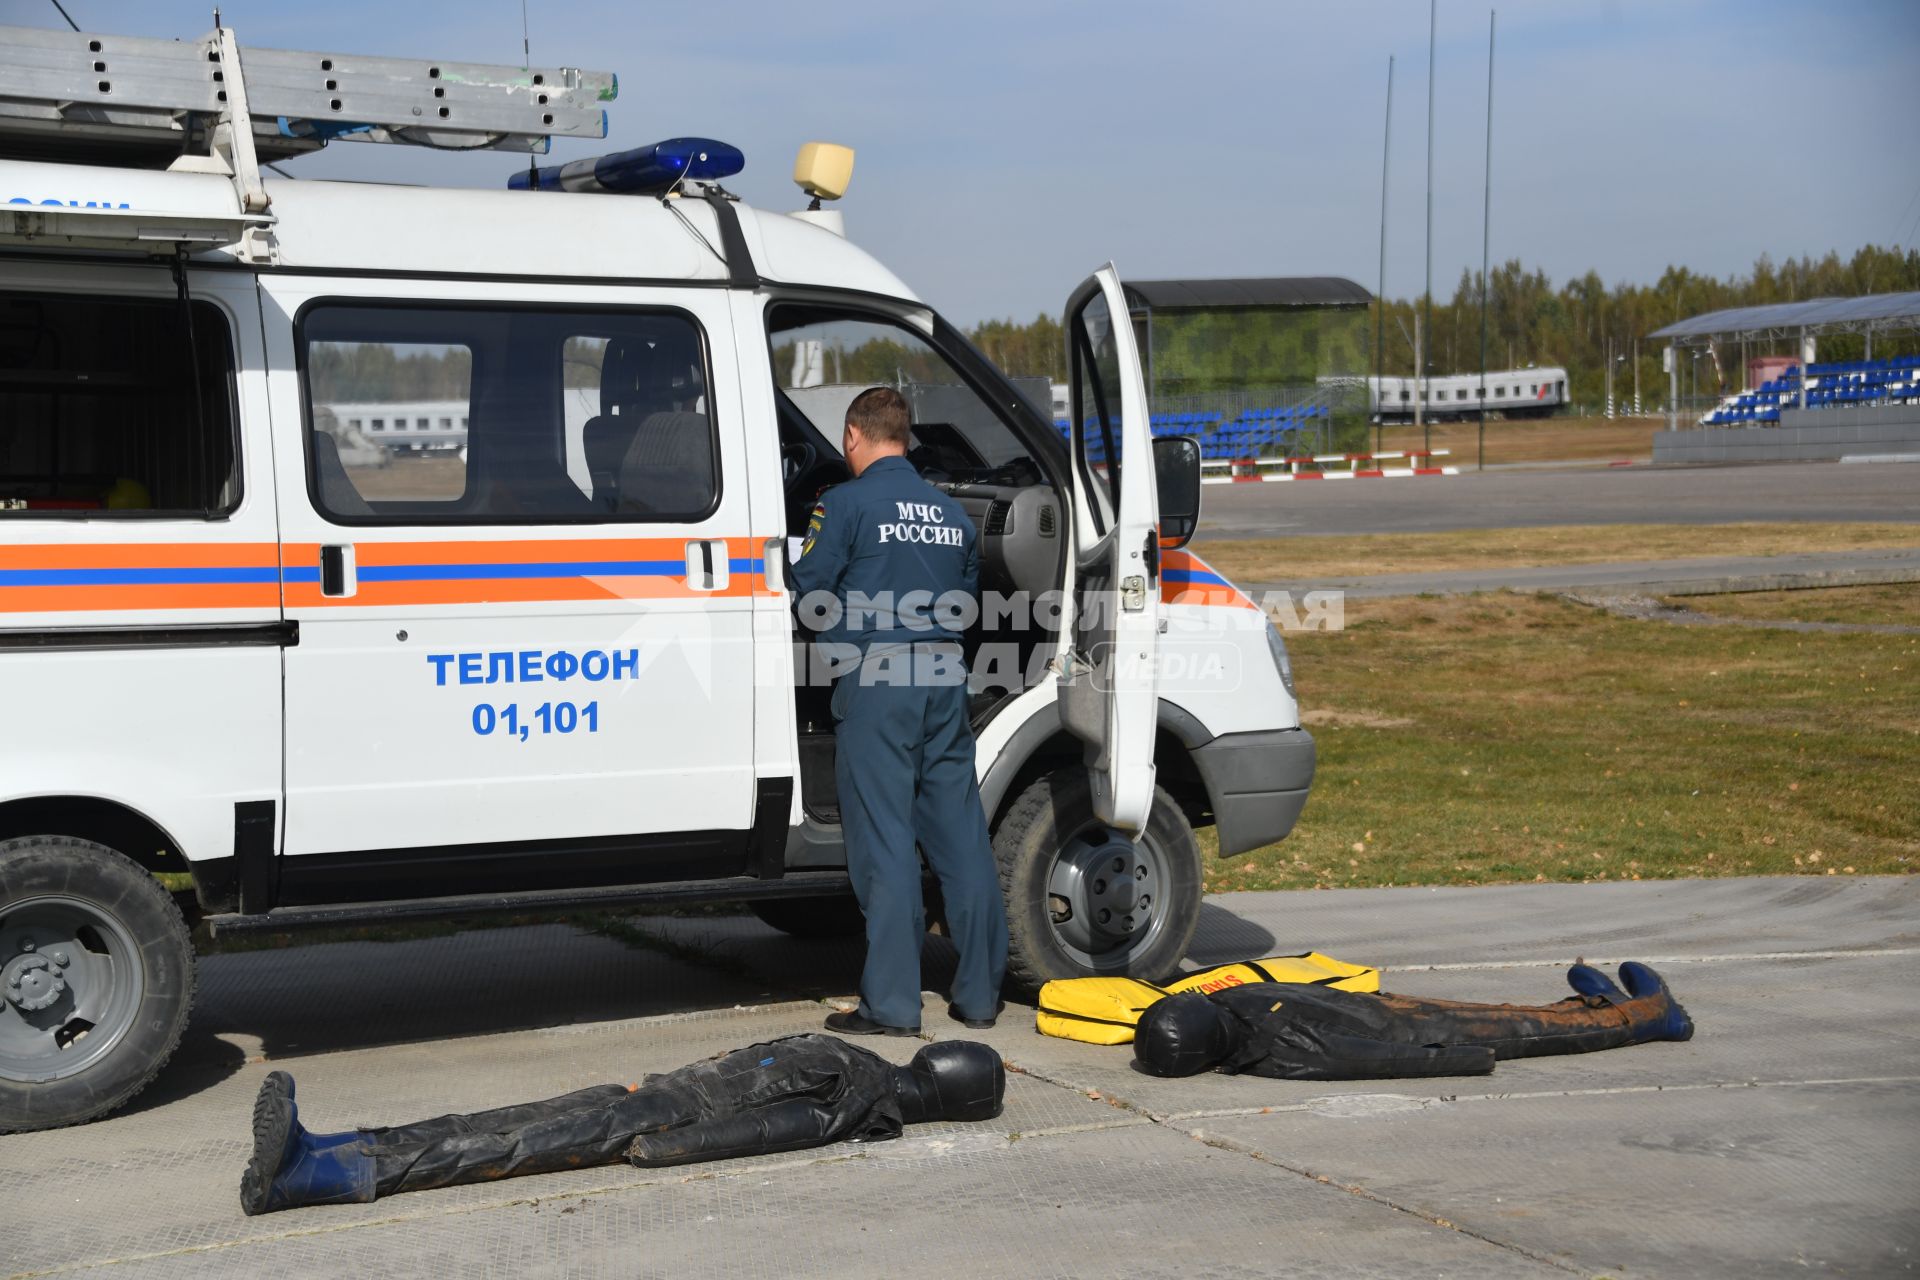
[825, 356]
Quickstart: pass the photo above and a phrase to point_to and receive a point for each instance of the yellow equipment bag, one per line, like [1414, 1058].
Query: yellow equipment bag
[1310, 968]
[1095, 1010]
[1106, 1010]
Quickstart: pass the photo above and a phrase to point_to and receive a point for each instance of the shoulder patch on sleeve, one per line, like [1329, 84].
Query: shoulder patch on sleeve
[817, 518]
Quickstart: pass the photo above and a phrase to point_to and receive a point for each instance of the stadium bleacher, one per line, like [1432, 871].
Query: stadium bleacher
[1276, 430]
[1844, 384]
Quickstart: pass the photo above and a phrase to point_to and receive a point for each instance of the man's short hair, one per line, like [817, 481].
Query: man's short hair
[882, 415]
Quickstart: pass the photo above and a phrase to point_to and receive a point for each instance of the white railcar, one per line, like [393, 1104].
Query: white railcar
[1510, 393]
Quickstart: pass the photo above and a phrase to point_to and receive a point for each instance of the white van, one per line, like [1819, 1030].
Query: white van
[339, 671]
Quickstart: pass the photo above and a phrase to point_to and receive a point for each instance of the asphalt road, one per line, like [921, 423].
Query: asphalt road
[1586, 495]
[1701, 575]
[1783, 1139]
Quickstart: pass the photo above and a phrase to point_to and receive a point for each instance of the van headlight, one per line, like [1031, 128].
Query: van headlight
[1280, 660]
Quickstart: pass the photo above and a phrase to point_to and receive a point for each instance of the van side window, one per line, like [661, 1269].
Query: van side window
[563, 415]
[104, 412]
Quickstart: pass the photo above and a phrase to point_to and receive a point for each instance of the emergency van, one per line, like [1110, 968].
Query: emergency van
[377, 552]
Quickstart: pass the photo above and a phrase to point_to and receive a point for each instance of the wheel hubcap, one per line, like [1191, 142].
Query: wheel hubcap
[32, 983]
[71, 984]
[1105, 896]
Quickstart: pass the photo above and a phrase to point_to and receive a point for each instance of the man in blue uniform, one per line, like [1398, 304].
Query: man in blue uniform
[888, 574]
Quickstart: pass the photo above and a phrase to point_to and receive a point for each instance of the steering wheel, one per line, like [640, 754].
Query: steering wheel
[797, 458]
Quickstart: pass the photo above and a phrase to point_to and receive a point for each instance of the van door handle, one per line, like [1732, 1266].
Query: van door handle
[707, 565]
[777, 564]
[337, 576]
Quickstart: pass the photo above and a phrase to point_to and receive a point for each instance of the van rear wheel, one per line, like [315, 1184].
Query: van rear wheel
[96, 981]
[1084, 899]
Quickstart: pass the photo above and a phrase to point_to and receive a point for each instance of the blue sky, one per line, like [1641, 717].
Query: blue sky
[1006, 149]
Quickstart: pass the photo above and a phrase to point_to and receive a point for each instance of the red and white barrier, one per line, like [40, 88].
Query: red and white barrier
[1359, 466]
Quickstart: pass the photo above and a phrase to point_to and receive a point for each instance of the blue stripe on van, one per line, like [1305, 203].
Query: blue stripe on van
[136, 577]
[1195, 576]
[553, 569]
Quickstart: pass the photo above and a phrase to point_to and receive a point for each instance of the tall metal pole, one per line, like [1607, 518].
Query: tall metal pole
[1419, 362]
[1673, 385]
[1486, 242]
[1433, 25]
[1380, 302]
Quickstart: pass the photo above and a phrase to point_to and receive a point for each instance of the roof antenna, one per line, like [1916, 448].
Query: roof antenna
[66, 15]
[526, 51]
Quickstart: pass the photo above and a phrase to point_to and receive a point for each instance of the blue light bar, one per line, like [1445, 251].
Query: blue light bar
[641, 171]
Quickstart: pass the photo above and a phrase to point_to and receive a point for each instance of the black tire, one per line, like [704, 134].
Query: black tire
[123, 953]
[1050, 840]
[837, 917]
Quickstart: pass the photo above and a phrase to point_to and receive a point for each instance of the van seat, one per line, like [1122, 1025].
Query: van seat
[668, 469]
[605, 439]
[337, 493]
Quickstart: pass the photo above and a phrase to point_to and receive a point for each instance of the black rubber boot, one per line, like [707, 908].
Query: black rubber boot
[1589, 981]
[290, 1167]
[1656, 1014]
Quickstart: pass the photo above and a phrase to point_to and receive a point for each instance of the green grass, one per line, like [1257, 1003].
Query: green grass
[1498, 738]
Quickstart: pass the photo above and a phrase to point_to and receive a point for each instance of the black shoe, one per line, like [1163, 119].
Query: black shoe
[853, 1023]
[978, 1024]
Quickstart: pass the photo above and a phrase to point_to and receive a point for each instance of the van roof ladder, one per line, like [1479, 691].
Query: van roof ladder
[209, 105]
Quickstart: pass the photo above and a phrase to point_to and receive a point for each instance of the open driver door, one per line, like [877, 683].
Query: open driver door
[1109, 685]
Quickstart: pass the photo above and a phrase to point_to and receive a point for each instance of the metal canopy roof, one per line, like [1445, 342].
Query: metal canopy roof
[1271, 291]
[1787, 319]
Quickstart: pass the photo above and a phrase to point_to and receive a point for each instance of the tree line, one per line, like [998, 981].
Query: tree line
[1532, 322]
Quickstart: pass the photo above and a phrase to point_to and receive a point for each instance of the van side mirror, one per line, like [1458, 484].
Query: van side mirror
[1176, 466]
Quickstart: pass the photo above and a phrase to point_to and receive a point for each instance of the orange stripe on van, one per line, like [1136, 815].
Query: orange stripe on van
[128, 599]
[109, 577]
[1186, 579]
[520, 571]
[138, 577]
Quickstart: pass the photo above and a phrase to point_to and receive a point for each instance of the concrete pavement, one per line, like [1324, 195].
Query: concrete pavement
[1784, 1138]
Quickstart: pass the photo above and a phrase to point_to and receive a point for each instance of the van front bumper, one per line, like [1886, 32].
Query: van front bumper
[1257, 784]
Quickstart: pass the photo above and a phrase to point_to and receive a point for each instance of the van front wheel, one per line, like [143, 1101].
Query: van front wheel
[1085, 899]
[96, 981]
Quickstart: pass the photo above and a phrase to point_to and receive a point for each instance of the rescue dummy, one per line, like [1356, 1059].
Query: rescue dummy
[1292, 1032]
[784, 1095]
